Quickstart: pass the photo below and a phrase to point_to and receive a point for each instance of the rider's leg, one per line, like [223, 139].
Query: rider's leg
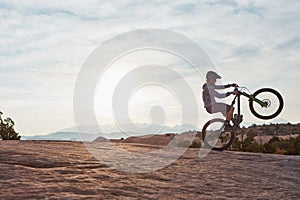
[229, 114]
[226, 110]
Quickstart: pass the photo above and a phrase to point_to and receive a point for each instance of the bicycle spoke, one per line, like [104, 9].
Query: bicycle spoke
[214, 135]
[272, 98]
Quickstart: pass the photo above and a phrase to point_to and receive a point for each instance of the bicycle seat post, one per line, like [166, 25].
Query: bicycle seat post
[237, 119]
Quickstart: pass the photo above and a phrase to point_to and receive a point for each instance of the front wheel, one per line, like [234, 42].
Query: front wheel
[214, 136]
[273, 103]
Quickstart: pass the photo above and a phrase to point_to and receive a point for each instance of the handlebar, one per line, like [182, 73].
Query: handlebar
[241, 91]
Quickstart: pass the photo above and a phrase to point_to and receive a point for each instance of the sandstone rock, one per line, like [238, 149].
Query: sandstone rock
[66, 170]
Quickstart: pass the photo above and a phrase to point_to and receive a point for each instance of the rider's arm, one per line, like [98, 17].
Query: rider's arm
[222, 95]
[220, 87]
[214, 93]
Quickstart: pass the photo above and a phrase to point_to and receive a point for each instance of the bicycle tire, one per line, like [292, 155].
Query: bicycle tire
[268, 91]
[204, 134]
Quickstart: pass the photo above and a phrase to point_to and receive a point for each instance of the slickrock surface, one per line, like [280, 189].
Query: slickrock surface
[66, 170]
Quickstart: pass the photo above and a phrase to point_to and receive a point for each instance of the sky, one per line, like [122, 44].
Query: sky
[43, 45]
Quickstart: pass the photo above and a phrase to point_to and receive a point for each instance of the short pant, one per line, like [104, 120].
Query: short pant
[219, 107]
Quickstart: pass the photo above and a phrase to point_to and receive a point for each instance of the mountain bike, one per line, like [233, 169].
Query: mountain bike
[265, 103]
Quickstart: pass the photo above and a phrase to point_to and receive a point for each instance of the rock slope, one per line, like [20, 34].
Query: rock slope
[66, 170]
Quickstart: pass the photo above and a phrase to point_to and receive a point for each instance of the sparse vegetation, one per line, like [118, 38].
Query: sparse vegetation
[7, 131]
[183, 143]
[289, 146]
[195, 144]
[280, 139]
[187, 144]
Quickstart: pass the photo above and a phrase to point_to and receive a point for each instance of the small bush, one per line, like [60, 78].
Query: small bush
[187, 144]
[196, 144]
[184, 143]
[7, 131]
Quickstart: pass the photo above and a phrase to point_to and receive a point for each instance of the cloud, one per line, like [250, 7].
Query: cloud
[44, 43]
[291, 43]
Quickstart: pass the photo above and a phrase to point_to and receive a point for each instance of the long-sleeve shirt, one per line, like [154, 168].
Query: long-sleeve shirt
[209, 93]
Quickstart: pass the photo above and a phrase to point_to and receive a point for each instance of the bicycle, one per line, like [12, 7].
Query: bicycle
[265, 103]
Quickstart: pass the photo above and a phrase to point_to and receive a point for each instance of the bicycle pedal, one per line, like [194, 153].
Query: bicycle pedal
[241, 118]
[235, 128]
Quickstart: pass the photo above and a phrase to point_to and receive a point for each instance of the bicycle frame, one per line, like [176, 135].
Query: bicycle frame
[238, 97]
[263, 104]
[249, 96]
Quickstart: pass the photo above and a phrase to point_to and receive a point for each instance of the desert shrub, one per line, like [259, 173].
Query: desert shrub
[199, 134]
[249, 142]
[272, 145]
[183, 143]
[254, 147]
[236, 144]
[291, 146]
[7, 131]
[196, 144]
[187, 144]
[248, 145]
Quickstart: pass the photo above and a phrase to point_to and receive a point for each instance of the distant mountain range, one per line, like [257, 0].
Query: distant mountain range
[128, 127]
[90, 133]
[70, 136]
[267, 122]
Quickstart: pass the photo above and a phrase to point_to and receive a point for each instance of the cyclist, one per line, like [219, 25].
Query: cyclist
[209, 93]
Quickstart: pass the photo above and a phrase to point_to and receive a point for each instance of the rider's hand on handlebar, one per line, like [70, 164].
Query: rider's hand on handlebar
[234, 85]
[234, 92]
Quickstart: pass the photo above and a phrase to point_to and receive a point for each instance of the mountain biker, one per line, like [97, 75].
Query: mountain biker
[209, 93]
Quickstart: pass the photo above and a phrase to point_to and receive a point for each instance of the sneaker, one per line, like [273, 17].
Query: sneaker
[227, 126]
[241, 119]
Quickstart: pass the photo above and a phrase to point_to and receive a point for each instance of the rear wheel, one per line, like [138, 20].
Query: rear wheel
[273, 100]
[214, 136]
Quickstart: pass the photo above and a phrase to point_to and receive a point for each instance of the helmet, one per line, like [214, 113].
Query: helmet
[212, 75]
